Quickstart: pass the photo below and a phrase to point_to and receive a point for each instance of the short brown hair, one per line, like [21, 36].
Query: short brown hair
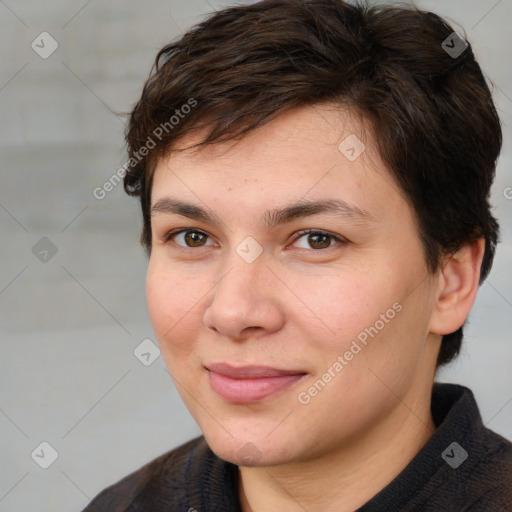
[435, 123]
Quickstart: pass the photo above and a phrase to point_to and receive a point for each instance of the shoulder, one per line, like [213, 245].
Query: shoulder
[490, 477]
[464, 466]
[477, 462]
[157, 485]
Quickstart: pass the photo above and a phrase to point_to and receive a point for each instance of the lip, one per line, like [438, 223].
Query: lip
[247, 384]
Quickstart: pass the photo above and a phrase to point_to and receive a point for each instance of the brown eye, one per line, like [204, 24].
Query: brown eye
[319, 240]
[194, 239]
[190, 238]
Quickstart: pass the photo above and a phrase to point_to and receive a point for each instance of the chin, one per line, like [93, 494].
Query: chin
[244, 452]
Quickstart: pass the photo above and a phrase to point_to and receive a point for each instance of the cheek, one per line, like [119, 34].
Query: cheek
[347, 304]
[173, 306]
[160, 298]
[375, 324]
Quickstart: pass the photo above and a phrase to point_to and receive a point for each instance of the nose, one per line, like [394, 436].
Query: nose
[244, 303]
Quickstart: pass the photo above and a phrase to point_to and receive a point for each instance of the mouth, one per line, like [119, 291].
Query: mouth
[248, 384]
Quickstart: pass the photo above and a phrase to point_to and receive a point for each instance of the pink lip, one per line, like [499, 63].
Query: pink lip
[249, 383]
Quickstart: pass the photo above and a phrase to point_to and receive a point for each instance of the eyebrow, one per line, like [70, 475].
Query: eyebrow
[270, 218]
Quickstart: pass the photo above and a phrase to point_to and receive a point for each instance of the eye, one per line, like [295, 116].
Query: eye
[194, 238]
[191, 237]
[319, 239]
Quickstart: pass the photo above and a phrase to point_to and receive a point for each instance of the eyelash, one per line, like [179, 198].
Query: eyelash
[341, 241]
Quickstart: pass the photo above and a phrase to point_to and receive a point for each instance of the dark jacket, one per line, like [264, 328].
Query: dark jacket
[464, 467]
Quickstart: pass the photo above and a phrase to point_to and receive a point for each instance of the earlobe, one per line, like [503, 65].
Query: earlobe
[458, 284]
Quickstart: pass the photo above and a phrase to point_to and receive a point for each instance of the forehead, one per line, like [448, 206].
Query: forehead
[292, 134]
[309, 153]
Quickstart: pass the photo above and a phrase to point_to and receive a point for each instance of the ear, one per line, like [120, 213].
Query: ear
[457, 287]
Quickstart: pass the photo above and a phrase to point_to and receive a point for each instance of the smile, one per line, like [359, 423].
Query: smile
[250, 383]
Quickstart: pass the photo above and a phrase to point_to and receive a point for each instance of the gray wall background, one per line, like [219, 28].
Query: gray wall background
[70, 321]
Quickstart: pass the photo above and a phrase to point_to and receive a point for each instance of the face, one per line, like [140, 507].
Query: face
[289, 330]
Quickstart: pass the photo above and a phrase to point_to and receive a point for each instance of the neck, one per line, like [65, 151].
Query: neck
[347, 477]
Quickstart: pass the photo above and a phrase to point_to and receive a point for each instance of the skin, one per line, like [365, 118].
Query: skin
[299, 306]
